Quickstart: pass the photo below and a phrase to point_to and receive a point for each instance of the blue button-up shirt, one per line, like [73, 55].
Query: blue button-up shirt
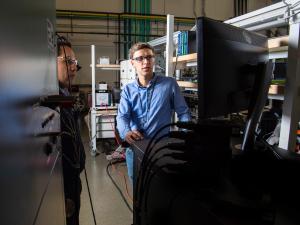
[147, 109]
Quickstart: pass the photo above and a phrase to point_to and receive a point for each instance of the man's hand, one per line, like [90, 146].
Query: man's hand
[133, 136]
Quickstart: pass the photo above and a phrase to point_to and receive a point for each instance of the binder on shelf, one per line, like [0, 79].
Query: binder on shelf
[186, 42]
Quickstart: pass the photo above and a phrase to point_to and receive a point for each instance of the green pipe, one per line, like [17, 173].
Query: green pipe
[142, 22]
[133, 20]
[147, 23]
[114, 16]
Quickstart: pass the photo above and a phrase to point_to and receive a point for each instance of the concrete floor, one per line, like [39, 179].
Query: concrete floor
[109, 207]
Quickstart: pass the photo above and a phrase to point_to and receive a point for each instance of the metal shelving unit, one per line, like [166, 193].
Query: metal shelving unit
[276, 15]
[104, 114]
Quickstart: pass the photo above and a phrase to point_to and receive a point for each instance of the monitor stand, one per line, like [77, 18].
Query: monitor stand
[258, 101]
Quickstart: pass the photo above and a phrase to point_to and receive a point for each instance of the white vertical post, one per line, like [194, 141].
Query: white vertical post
[93, 133]
[93, 112]
[169, 45]
[291, 105]
[93, 75]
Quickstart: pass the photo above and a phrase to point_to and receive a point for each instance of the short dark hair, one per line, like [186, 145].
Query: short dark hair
[62, 41]
[138, 46]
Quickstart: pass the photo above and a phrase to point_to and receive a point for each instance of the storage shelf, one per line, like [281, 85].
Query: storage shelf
[274, 53]
[105, 107]
[278, 42]
[275, 90]
[108, 66]
[278, 52]
[276, 97]
[187, 84]
[186, 58]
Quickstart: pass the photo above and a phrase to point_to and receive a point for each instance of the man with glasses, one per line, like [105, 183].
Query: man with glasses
[73, 155]
[148, 103]
[66, 63]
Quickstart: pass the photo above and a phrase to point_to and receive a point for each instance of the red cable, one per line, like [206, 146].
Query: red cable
[112, 126]
[126, 185]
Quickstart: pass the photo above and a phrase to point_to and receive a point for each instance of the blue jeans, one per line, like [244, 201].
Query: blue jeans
[129, 163]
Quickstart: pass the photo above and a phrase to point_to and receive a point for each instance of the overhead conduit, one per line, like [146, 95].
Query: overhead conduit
[67, 14]
[136, 20]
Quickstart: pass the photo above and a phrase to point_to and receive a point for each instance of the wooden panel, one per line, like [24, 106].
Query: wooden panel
[278, 42]
[186, 58]
[187, 84]
[109, 66]
[276, 89]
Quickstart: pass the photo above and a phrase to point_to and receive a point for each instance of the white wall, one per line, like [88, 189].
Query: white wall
[91, 5]
[105, 46]
[216, 9]
[257, 4]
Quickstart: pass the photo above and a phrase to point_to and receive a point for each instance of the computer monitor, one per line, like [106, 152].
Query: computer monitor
[116, 95]
[233, 72]
[225, 55]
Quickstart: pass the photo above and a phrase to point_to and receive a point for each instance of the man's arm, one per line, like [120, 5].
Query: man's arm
[124, 119]
[123, 116]
[180, 105]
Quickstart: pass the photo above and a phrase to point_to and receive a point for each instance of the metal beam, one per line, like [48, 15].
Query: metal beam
[271, 16]
[169, 46]
[275, 15]
[291, 104]
[162, 40]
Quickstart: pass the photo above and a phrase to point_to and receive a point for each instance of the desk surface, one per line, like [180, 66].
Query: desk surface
[107, 112]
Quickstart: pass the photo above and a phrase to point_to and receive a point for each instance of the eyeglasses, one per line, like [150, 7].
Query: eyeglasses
[69, 61]
[140, 59]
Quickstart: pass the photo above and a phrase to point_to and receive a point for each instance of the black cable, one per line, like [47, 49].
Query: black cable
[158, 140]
[148, 149]
[174, 72]
[118, 188]
[148, 184]
[149, 165]
[137, 187]
[147, 188]
[148, 177]
[88, 188]
[174, 154]
[146, 153]
[152, 156]
[268, 146]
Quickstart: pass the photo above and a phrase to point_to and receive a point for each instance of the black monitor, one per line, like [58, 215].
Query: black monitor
[116, 95]
[233, 71]
[225, 54]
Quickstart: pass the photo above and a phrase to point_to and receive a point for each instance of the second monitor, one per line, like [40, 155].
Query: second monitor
[226, 61]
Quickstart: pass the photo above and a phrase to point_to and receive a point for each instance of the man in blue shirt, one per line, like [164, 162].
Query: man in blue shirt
[148, 103]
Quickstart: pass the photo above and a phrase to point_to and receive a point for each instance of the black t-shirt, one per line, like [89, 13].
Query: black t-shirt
[72, 146]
